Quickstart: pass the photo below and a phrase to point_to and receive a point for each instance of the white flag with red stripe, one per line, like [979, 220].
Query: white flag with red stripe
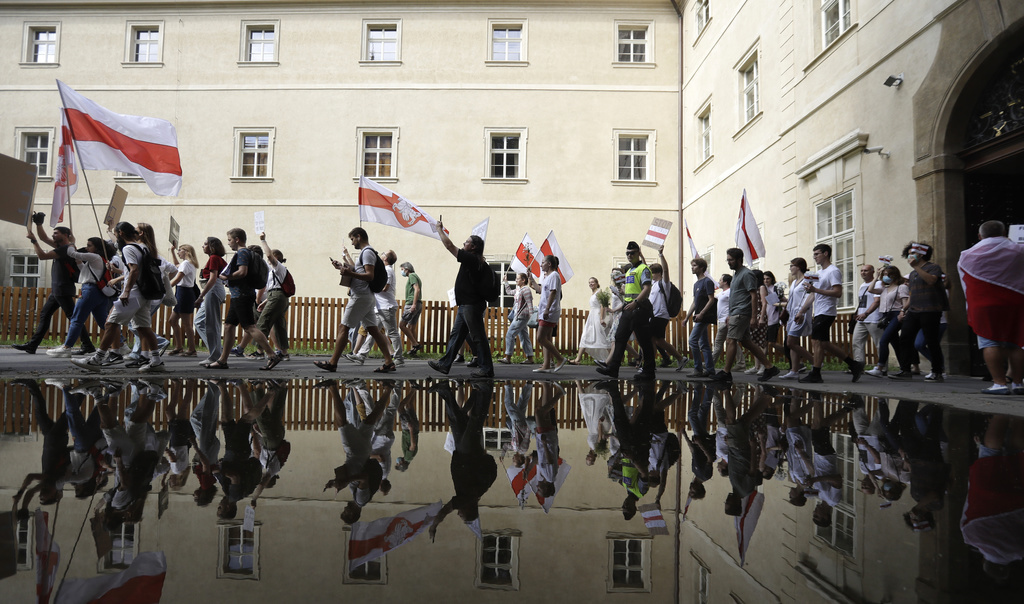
[525, 260]
[140, 583]
[66, 173]
[550, 247]
[747, 522]
[653, 519]
[371, 540]
[382, 205]
[480, 230]
[47, 558]
[748, 237]
[693, 246]
[144, 146]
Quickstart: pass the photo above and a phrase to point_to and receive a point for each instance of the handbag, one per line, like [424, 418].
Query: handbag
[532, 323]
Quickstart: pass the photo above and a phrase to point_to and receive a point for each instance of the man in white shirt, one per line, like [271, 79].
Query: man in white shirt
[867, 314]
[827, 292]
[387, 318]
[723, 325]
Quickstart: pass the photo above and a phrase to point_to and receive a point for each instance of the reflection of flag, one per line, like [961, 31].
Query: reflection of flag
[145, 146]
[141, 583]
[653, 519]
[550, 247]
[382, 205]
[560, 476]
[747, 522]
[371, 540]
[47, 558]
[66, 174]
[525, 260]
[475, 527]
[519, 479]
[693, 247]
[686, 509]
[748, 237]
[480, 230]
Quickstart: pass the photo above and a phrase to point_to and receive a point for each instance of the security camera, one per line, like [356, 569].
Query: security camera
[873, 149]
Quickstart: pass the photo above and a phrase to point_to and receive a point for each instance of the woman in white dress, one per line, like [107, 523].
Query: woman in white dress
[598, 414]
[594, 340]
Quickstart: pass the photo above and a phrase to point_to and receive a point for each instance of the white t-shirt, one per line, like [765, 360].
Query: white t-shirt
[275, 276]
[386, 299]
[659, 295]
[797, 295]
[551, 285]
[723, 305]
[133, 254]
[869, 299]
[827, 279]
[188, 274]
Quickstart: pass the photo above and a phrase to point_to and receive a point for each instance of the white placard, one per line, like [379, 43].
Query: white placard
[1017, 233]
[260, 224]
[451, 297]
[249, 523]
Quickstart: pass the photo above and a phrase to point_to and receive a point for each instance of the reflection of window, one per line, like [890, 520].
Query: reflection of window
[374, 572]
[25, 555]
[506, 154]
[24, 270]
[703, 584]
[254, 154]
[844, 517]
[495, 438]
[834, 226]
[634, 43]
[124, 549]
[629, 563]
[259, 43]
[500, 265]
[41, 44]
[498, 560]
[835, 19]
[238, 553]
[382, 41]
[143, 45]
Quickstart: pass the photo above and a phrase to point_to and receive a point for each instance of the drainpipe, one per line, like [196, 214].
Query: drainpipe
[679, 152]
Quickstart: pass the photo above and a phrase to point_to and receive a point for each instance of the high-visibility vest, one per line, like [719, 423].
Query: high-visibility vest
[632, 288]
[631, 479]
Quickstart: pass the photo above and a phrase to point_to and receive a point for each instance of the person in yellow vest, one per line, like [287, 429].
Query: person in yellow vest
[636, 317]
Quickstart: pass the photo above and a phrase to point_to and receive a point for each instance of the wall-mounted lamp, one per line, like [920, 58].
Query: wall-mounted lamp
[894, 81]
[879, 150]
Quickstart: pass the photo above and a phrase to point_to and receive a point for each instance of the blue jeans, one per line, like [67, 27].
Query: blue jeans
[207, 321]
[699, 343]
[86, 431]
[92, 302]
[519, 328]
[469, 324]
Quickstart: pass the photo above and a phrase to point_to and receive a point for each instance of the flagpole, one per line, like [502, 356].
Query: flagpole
[64, 109]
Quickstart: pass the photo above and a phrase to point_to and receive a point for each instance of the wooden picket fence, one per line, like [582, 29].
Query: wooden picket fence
[313, 323]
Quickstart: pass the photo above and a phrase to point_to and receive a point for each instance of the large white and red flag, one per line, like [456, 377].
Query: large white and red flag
[66, 173]
[144, 146]
[550, 247]
[140, 583]
[47, 558]
[653, 519]
[382, 205]
[525, 260]
[561, 474]
[748, 237]
[371, 540]
[747, 522]
[992, 275]
[693, 246]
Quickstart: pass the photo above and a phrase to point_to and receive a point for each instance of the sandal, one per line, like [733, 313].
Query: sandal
[272, 362]
[385, 368]
[214, 365]
[190, 353]
[174, 353]
[326, 366]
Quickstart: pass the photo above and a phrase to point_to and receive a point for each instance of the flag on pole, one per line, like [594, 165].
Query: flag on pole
[66, 173]
[520, 480]
[657, 233]
[371, 540]
[560, 476]
[686, 509]
[748, 237]
[145, 146]
[141, 583]
[747, 522]
[525, 260]
[693, 246]
[550, 247]
[480, 230]
[653, 519]
[47, 558]
[382, 205]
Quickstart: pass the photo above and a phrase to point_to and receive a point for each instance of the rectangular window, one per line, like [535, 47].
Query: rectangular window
[835, 19]
[703, 14]
[629, 563]
[634, 44]
[506, 44]
[634, 156]
[25, 555]
[144, 44]
[259, 42]
[498, 560]
[506, 154]
[44, 45]
[254, 154]
[834, 226]
[703, 584]
[374, 572]
[382, 42]
[495, 439]
[125, 547]
[377, 155]
[709, 256]
[35, 150]
[238, 552]
[704, 132]
[751, 101]
[844, 517]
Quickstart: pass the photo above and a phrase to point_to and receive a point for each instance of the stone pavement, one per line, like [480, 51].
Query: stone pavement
[957, 391]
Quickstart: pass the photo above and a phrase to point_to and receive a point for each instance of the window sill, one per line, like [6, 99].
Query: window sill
[637, 65]
[505, 181]
[44, 179]
[704, 29]
[634, 183]
[748, 125]
[379, 180]
[253, 179]
[128, 179]
[34, 65]
[259, 64]
[701, 165]
[493, 63]
[148, 64]
[367, 63]
[827, 51]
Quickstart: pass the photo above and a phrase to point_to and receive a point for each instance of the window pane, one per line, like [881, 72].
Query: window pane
[824, 221]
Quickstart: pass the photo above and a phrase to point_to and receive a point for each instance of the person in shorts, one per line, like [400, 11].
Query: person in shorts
[827, 291]
[412, 308]
[741, 308]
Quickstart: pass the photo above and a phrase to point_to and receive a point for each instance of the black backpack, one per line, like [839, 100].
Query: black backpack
[492, 291]
[151, 277]
[380, 273]
[256, 276]
[674, 299]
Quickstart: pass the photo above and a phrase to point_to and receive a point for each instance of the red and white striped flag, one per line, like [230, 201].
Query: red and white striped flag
[382, 205]
[748, 237]
[371, 540]
[560, 476]
[47, 558]
[653, 519]
[66, 173]
[550, 247]
[145, 146]
[140, 583]
[693, 247]
[525, 260]
[747, 522]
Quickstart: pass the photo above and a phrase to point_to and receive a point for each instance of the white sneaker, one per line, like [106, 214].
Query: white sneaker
[96, 362]
[751, 371]
[876, 372]
[792, 375]
[154, 365]
[58, 382]
[399, 362]
[124, 350]
[760, 371]
[61, 351]
[358, 359]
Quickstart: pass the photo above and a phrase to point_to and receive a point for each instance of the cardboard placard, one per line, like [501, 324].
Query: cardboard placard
[657, 234]
[116, 207]
[19, 189]
[175, 232]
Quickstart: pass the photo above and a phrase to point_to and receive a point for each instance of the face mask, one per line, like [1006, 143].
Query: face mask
[405, 274]
[887, 280]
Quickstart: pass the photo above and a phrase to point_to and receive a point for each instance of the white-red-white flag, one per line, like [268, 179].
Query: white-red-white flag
[140, 583]
[382, 205]
[47, 558]
[550, 247]
[144, 146]
[748, 237]
[561, 474]
[525, 260]
[66, 174]
[480, 230]
[371, 540]
[693, 246]
[747, 522]
[653, 519]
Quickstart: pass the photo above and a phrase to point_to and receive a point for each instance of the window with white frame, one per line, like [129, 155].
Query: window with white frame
[498, 560]
[238, 554]
[259, 42]
[382, 41]
[634, 156]
[506, 154]
[709, 256]
[629, 563]
[372, 572]
[835, 19]
[844, 516]
[124, 548]
[378, 153]
[35, 146]
[749, 84]
[24, 270]
[702, 13]
[703, 584]
[507, 41]
[254, 154]
[704, 133]
[634, 42]
[500, 264]
[25, 556]
[42, 44]
[834, 226]
[496, 438]
[144, 44]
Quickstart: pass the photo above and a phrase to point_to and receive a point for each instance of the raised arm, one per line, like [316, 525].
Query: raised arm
[451, 247]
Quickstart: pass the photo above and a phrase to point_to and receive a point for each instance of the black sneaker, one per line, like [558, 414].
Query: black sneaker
[665, 362]
[901, 375]
[723, 377]
[473, 363]
[812, 378]
[857, 369]
[25, 348]
[608, 371]
[437, 367]
[769, 374]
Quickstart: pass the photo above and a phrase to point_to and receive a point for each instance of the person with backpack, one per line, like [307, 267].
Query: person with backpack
[273, 307]
[475, 285]
[666, 300]
[368, 277]
[95, 299]
[243, 275]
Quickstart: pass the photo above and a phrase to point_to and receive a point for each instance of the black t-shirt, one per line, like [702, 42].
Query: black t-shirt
[473, 280]
[703, 291]
[62, 280]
